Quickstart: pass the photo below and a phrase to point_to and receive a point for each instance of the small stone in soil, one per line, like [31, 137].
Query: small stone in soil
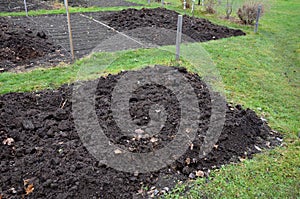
[192, 175]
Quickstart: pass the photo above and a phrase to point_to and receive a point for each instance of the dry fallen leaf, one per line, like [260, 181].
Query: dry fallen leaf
[200, 173]
[191, 146]
[241, 159]
[29, 189]
[13, 190]
[26, 182]
[153, 140]
[118, 151]
[188, 161]
[28, 186]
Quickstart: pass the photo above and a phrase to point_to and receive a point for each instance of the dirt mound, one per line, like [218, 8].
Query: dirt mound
[198, 29]
[20, 46]
[39, 143]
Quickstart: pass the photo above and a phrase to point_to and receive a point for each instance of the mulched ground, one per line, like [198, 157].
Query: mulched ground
[23, 46]
[40, 148]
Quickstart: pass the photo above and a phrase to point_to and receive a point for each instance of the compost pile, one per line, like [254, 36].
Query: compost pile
[42, 155]
[20, 46]
[198, 29]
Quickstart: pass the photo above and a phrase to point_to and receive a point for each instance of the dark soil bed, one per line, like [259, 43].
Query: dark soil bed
[21, 46]
[198, 29]
[41, 149]
[100, 3]
[18, 5]
[149, 26]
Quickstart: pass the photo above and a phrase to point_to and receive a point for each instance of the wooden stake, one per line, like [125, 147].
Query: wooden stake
[257, 18]
[70, 30]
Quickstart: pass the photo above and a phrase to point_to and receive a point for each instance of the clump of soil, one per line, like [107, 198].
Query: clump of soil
[20, 46]
[198, 29]
[39, 144]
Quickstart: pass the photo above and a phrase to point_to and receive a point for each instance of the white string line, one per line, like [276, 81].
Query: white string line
[49, 33]
[112, 29]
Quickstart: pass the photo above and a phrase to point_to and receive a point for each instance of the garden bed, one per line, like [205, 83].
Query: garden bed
[100, 3]
[200, 30]
[41, 149]
[18, 5]
[148, 26]
[22, 46]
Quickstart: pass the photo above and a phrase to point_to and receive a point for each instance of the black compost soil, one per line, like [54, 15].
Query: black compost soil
[18, 5]
[41, 149]
[21, 46]
[99, 3]
[148, 26]
[198, 29]
[87, 34]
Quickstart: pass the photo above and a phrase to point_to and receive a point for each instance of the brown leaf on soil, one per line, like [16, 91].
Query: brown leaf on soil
[191, 146]
[28, 186]
[153, 140]
[26, 182]
[29, 189]
[118, 151]
[200, 173]
[188, 161]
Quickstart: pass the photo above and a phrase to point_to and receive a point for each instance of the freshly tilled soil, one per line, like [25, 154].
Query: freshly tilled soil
[16, 6]
[24, 46]
[41, 149]
[149, 26]
[198, 29]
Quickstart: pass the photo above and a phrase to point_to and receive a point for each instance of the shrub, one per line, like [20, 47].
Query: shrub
[210, 6]
[248, 12]
[228, 8]
[188, 3]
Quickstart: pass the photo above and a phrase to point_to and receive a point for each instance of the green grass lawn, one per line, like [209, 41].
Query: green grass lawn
[259, 71]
